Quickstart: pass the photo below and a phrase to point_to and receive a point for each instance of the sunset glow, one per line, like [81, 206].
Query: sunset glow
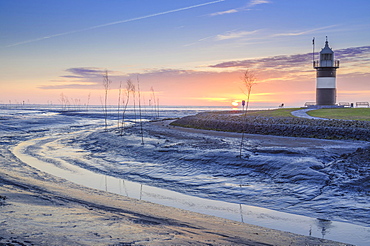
[235, 104]
[190, 52]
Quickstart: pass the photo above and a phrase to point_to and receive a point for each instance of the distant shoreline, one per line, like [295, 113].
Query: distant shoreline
[230, 121]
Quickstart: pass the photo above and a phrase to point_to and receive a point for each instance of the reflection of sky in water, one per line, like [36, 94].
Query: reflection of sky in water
[248, 214]
[202, 172]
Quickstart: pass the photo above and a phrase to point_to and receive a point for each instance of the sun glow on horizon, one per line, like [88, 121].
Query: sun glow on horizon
[235, 103]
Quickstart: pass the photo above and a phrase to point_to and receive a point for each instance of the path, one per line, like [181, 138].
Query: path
[302, 113]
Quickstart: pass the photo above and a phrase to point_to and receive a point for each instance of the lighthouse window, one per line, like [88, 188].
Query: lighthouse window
[326, 57]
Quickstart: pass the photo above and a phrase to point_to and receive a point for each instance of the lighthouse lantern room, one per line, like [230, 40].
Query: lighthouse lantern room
[326, 77]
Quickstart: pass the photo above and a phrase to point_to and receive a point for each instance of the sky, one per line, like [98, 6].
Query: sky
[188, 52]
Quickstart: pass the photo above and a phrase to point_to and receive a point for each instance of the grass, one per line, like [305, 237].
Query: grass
[342, 113]
[282, 112]
[329, 113]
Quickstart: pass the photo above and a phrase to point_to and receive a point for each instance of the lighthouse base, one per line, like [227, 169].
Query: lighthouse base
[325, 96]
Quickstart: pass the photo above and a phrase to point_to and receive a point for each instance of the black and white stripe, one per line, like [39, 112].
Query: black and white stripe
[326, 77]
[326, 86]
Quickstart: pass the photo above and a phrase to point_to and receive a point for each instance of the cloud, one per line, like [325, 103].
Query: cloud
[115, 23]
[231, 11]
[70, 86]
[224, 36]
[92, 77]
[290, 61]
[268, 62]
[78, 78]
[174, 75]
[257, 2]
[352, 52]
[302, 32]
[270, 70]
[71, 77]
[85, 72]
[245, 8]
[233, 35]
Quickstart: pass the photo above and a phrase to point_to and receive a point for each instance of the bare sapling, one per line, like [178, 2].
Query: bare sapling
[119, 105]
[133, 90]
[62, 101]
[88, 102]
[125, 101]
[106, 84]
[141, 122]
[65, 102]
[76, 104]
[248, 80]
[154, 103]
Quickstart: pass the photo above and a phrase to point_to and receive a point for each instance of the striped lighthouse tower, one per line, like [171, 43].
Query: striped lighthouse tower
[326, 77]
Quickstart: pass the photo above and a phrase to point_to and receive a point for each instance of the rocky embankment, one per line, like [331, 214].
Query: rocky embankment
[280, 126]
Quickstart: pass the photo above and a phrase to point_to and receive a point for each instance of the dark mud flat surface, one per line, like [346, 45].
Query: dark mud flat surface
[327, 179]
[40, 209]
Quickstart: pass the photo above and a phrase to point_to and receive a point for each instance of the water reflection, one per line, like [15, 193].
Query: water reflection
[324, 225]
[339, 231]
[241, 213]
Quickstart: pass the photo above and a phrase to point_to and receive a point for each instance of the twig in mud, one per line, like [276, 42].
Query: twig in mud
[141, 122]
[119, 105]
[129, 88]
[106, 83]
[248, 79]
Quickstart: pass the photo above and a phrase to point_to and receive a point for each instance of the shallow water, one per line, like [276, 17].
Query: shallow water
[327, 229]
[173, 170]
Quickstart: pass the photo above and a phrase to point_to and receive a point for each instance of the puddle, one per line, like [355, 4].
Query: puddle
[338, 231]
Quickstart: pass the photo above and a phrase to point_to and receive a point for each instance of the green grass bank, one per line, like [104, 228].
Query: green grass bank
[342, 113]
[280, 122]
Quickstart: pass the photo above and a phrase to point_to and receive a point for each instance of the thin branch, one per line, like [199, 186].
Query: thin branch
[141, 122]
[106, 83]
[248, 80]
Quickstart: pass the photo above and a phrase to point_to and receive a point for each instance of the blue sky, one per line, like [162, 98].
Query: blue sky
[175, 46]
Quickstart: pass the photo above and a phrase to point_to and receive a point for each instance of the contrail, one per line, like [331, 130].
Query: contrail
[115, 23]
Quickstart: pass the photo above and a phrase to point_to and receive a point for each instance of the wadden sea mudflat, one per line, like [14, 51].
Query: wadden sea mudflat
[42, 209]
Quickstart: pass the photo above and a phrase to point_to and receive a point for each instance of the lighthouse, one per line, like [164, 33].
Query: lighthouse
[326, 69]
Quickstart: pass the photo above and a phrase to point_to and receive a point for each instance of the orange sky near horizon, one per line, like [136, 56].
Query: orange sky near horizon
[195, 88]
[190, 52]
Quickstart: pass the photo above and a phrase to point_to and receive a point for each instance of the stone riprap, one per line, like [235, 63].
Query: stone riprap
[280, 126]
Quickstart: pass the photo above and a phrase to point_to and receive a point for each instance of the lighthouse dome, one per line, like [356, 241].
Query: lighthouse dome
[326, 49]
[326, 56]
